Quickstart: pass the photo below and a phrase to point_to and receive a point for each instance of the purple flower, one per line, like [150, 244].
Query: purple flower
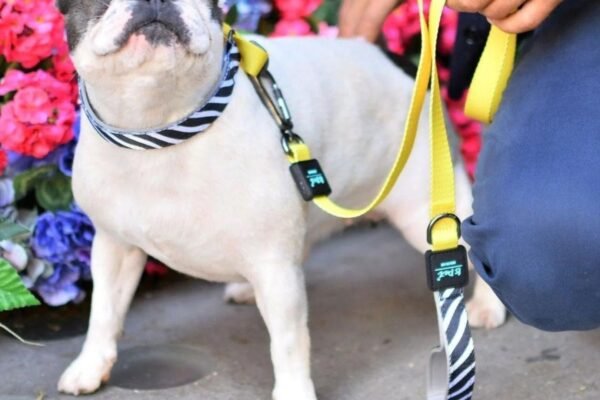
[15, 254]
[249, 12]
[67, 152]
[64, 239]
[65, 159]
[7, 193]
[7, 198]
[77, 126]
[60, 288]
[18, 163]
[62, 156]
[82, 259]
[58, 237]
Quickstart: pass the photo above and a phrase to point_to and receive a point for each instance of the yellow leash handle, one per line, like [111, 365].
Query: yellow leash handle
[491, 76]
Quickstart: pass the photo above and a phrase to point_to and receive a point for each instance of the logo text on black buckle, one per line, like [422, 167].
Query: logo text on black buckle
[310, 179]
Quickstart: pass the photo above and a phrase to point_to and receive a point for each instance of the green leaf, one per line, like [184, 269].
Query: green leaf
[313, 23]
[55, 193]
[12, 292]
[9, 230]
[232, 16]
[28, 180]
[328, 12]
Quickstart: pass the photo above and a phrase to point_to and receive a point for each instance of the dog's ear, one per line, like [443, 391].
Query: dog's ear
[216, 10]
[63, 5]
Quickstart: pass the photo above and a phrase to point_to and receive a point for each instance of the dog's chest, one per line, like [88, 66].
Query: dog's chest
[168, 203]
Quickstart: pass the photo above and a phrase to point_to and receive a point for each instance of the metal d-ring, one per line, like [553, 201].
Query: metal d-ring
[287, 138]
[437, 219]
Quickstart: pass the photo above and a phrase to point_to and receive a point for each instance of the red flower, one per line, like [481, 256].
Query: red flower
[156, 268]
[468, 130]
[403, 25]
[292, 27]
[296, 9]
[62, 67]
[29, 31]
[3, 161]
[40, 116]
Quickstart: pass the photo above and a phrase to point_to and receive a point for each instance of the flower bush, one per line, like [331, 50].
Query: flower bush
[39, 124]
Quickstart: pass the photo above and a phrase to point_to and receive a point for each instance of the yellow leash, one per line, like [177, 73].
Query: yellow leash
[491, 76]
[451, 372]
[254, 58]
[488, 85]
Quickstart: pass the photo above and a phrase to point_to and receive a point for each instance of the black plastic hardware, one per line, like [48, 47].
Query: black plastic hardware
[447, 269]
[310, 179]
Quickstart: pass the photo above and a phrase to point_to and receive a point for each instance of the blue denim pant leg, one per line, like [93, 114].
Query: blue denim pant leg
[535, 232]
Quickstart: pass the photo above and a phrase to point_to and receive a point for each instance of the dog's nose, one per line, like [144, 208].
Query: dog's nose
[158, 4]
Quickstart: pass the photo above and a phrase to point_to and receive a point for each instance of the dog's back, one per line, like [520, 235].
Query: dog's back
[350, 102]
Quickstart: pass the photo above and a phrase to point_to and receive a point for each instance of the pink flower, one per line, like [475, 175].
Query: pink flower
[403, 25]
[156, 268]
[32, 105]
[296, 9]
[3, 161]
[62, 66]
[292, 27]
[328, 31]
[39, 117]
[468, 130]
[30, 31]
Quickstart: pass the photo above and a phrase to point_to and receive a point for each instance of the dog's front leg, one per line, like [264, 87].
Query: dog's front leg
[116, 270]
[281, 299]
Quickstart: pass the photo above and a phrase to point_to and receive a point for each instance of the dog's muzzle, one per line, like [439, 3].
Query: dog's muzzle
[158, 20]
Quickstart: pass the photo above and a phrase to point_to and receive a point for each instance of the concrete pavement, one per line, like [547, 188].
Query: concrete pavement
[372, 322]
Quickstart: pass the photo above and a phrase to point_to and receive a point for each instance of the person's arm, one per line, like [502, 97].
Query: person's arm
[365, 17]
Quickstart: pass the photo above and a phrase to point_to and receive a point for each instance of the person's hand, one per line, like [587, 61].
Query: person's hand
[513, 16]
[364, 17]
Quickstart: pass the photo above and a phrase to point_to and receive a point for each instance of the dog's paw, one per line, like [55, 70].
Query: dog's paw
[239, 293]
[86, 374]
[486, 313]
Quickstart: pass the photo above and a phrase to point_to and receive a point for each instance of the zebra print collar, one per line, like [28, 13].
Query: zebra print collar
[190, 126]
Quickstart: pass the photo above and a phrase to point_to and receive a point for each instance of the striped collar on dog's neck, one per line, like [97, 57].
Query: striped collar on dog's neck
[186, 128]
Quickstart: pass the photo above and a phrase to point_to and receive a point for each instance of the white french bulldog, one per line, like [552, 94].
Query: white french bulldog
[222, 205]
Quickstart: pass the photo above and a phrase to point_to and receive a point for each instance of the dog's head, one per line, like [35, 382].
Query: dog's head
[150, 38]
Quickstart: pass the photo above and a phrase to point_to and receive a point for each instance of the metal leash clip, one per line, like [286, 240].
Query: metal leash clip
[308, 174]
[278, 107]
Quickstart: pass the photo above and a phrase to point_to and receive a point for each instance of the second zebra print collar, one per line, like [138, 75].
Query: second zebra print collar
[192, 125]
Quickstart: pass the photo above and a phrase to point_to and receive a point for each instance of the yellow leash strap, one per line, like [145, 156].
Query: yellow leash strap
[485, 95]
[254, 57]
[444, 234]
[300, 152]
[491, 76]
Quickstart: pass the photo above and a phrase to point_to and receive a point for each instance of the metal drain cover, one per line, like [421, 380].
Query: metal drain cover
[160, 367]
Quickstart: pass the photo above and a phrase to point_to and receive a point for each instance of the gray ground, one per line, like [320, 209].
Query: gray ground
[372, 323]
